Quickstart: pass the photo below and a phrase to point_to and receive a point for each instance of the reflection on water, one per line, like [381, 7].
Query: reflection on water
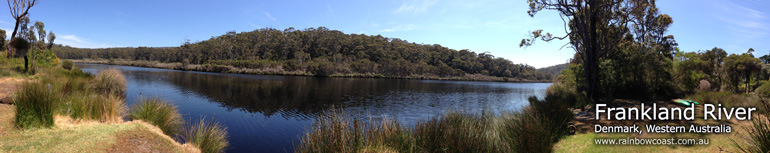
[269, 113]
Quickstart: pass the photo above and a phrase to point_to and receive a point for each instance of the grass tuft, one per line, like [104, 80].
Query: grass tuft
[208, 135]
[35, 105]
[90, 106]
[158, 112]
[110, 81]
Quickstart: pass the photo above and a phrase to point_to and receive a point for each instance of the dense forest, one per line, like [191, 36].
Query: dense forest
[324, 52]
[555, 70]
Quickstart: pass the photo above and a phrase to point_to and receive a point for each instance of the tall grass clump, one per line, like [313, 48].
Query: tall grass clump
[110, 81]
[158, 112]
[758, 139]
[35, 105]
[335, 132]
[67, 64]
[208, 135]
[538, 127]
[459, 132]
[89, 106]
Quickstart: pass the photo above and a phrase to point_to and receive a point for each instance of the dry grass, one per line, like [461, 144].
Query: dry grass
[110, 81]
[71, 135]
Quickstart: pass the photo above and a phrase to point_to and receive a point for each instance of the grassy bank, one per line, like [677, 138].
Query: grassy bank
[271, 71]
[59, 109]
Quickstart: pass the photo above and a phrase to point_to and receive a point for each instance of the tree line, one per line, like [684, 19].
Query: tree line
[321, 51]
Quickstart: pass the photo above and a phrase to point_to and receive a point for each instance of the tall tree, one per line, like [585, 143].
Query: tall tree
[19, 10]
[39, 26]
[51, 38]
[593, 27]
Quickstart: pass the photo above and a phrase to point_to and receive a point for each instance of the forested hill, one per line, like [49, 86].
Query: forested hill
[555, 70]
[320, 51]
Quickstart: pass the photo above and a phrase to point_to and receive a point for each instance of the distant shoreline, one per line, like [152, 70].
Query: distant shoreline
[236, 70]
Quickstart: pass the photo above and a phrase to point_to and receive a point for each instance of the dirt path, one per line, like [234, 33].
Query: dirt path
[8, 85]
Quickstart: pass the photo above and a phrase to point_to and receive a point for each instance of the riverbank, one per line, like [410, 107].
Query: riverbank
[274, 71]
[46, 109]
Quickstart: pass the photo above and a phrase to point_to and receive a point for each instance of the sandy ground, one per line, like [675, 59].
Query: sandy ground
[7, 86]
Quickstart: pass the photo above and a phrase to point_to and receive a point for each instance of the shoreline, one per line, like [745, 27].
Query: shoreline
[270, 71]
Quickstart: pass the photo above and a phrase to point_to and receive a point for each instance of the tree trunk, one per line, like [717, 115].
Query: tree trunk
[26, 67]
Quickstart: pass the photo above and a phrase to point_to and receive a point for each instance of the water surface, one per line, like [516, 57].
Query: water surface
[265, 113]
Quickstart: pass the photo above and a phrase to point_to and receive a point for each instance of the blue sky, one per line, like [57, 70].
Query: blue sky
[494, 26]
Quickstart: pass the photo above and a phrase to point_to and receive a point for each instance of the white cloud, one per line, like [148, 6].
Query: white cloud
[75, 41]
[407, 27]
[269, 16]
[415, 6]
[70, 37]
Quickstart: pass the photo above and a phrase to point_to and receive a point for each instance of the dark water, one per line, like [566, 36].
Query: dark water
[269, 113]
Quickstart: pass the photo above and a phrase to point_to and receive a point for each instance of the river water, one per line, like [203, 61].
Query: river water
[266, 113]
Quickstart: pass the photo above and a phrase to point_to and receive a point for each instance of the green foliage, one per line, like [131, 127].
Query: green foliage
[35, 105]
[110, 81]
[67, 64]
[764, 90]
[555, 70]
[322, 52]
[208, 135]
[158, 112]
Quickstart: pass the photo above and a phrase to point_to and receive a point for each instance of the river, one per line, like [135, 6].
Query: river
[266, 113]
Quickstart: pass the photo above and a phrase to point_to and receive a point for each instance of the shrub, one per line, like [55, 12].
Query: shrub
[207, 135]
[110, 81]
[35, 105]
[764, 90]
[108, 108]
[67, 64]
[158, 112]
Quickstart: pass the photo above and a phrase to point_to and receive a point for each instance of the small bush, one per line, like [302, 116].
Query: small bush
[108, 108]
[110, 81]
[158, 112]
[67, 64]
[35, 105]
[209, 136]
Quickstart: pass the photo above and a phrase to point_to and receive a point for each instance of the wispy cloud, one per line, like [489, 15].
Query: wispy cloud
[75, 41]
[748, 23]
[71, 37]
[415, 6]
[269, 16]
[403, 27]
